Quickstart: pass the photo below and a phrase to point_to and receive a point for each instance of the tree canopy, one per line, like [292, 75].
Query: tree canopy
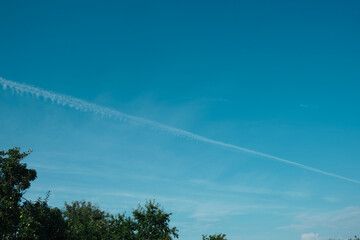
[21, 219]
[40, 221]
[15, 178]
[152, 222]
[219, 236]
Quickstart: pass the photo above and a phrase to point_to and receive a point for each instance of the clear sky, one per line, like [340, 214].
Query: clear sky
[276, 77]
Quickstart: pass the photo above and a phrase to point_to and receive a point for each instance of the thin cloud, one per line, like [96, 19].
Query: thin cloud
[308, 106]
[85, 106]
[216, 211]
[340, 219]
[331, 199]
[246, 189]
[310, 236]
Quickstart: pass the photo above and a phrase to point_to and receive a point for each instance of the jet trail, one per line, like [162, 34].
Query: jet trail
[85, 106]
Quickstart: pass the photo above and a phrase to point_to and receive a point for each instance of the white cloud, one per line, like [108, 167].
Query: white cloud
[247, 189]
[331, 199]
[348, 217]
[310, 236]
[307, 106]
[216, 211]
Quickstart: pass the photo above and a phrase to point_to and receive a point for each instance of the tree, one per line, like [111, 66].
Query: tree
[355, 238]
[15, 178]
[38, 221]
[21, 219]
[85, 221]
[122, 228]
[214, 237]
[152, 223]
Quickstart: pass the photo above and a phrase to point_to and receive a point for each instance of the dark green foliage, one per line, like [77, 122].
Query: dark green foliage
[152, 223]
[85, 221]
[214, 237]
[355, 238]
[21, 219]
[38, 221]
[122, 228]
[15, 178]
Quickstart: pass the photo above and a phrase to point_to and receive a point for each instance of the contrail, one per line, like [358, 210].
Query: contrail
[85, 106]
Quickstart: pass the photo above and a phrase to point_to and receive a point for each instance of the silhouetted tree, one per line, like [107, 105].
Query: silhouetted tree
[21, 219]
[85, 221]
[38, 221]
[15, 178]
[152, 223]
[355, 238]
[214, 237]
[121, 228]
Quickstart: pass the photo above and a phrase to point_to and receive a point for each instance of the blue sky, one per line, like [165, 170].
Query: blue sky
[277, 77]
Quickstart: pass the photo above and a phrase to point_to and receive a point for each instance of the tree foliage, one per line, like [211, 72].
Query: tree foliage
[355, 238]
[40, 221]
[85, 221]
[219, 236]
[21, 219]
[152, 222]
[15, 178]
[122, 227]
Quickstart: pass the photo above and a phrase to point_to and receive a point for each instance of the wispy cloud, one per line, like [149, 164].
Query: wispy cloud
[216, 211]
[200, 210]
[331, 199]
[308, 106]
[304, 106]
[340, 219]
[310, 236]
[85, 106]
[247, 189]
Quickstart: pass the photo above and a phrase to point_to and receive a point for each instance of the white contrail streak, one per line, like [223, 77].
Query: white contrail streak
[84, 106]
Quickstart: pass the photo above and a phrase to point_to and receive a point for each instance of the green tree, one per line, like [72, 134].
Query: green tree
[355, 238]
[121, 228]
[214, 237]
[152, 223]
[15, 178]
[85, 221]
[21, 219]
[38, 221]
